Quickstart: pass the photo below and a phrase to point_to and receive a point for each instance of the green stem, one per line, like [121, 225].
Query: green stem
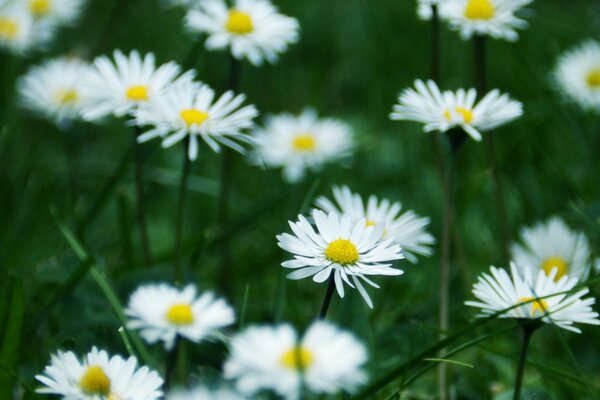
[139, 198]
[172, 357]
[185, 171]
[328, 296]
[527, 328]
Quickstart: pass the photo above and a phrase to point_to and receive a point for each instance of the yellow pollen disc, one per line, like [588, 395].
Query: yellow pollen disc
[239, 22]
[465, 112]
[138, 93]
[304, 143]
[342, 251]
[39, 7]
[9, 29]
[479, 9]
[193, 117]
[180, 314]
[370, 222]
[555, 262]
[95, 382]
[593, 78]
[297, 358]
[538, 305]
[66, 96]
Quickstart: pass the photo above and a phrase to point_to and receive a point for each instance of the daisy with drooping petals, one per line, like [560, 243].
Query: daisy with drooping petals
[406, 229]
[424, 8]
[324, 360]
[253, 29]
[189, 109]
[441, 111]
[163, 312]
[204, 393]
[55, 12]
[19, 32]
[341, 246]
[298, 143]
[99, 376]
[578, 75]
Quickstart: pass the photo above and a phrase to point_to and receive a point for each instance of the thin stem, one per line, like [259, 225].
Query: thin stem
[185, 171]
[528, 330]
[327, 298]
[172, 357]
[139, 198]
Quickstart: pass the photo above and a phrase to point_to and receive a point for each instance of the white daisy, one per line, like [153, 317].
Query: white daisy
[441, 111]
[424, 10]
[552, 245]
[578, 75]
[189, 109]
[99, 376]
[121, 86]
[406, 229]
[298, 143]
[348, 248]
[325, 360]
[253, 29]
[497, 292]
[56, 12]
[19, 32]
[495, 18]
[162, 312]
[204, 393]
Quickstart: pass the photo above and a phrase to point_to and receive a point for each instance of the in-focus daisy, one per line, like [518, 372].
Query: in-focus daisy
[99, 376]
[578, 75]
[347, 248]
[19, 32]
[441, 111]
[55, 12]
[552, 245]
[324, 360]
[205, 393]
[498, 291]
[298, 143]
[424, 10]
[495, 18]
[189, 109]
[253, 29]
[406, 229]
[162, 312]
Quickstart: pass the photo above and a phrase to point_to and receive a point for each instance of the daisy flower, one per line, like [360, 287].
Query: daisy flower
[99, 376]
[553, 246]
[19, 32]
[189, 109]
[204, 393]
[406, 229]
[578, 75]
[162, 312]
[55, 12]
[298, 143]
[495, 18]
[424, 8]
[347, 248]
[253, 29]
[324, 360]
[498, 291]
[120, 86]
[441, 111]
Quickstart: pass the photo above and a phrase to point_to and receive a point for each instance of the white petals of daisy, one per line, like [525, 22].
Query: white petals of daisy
[325, 360]
[189, 109]
[55, 12]
[498, 291]
[424, 8]
[341, 246]
[20, 31]
[441, 111]
[99, 376]
[204, 393]
[298, 143]
[578, 75]
[253, 29]
[162, 312]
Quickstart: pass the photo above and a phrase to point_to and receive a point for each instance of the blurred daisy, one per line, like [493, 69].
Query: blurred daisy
[19, 32]
[324, 360]
[406, 229]
[495, 18]
[253, 29]
[441, 111]
[99, 376]
[298, 143]
[553, 246]
[498, 291]
[188, 109]
[120, 86]
[162, 312]
[56, 12]
[347, 248]
[424, 10]
[578, 75]
[204, 393]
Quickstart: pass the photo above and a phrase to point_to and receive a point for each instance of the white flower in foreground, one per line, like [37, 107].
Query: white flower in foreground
[326, 360]
[56, 12]
[19, 32]
[298, 143]
[120, 86]
[424, 10]
[552, 245]
[341, 246]
[578, 75]
[162, 312]
[497, 292]
[189, 109]
[253, 29]
[495, 18]
[441, 111]
[99, 376]
[407, 229]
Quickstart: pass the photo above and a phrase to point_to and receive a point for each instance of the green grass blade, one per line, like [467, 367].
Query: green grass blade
[11, 325]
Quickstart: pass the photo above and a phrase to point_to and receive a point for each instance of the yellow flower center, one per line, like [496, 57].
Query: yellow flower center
[66, 96]
[95, 382]
[342, 251]
[304, 142]
[239, 22]
[593, 78]
[465, 112]
[180, 314]
[370, 222]
[138, 93]
[9, 29]
[193, 117]
[538, 305]
[555, 262]
[39, 7]
[297, 358]
[479, 9]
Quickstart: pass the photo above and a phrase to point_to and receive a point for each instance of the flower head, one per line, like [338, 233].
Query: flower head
[20, 32]
[578, 75]
[424, 8]
[55, 12]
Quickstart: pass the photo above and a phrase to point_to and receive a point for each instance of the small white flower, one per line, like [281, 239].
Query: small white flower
[298, 143]
[578, 75]
[19, 31]
[441, 111]
[497, 292]
[253, 29]
[204, 393]
[325, 360]
[347, 248]
[424, 8]
[162, 312]
[190, 109]
[55, 12]
[99, 376]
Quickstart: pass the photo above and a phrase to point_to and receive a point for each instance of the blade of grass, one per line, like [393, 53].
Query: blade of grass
[11, 326]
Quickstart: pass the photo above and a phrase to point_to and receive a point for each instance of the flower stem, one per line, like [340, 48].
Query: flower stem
[328, 296]
[139, 198]
[528, 328]
[172, 357]
[185, 171]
